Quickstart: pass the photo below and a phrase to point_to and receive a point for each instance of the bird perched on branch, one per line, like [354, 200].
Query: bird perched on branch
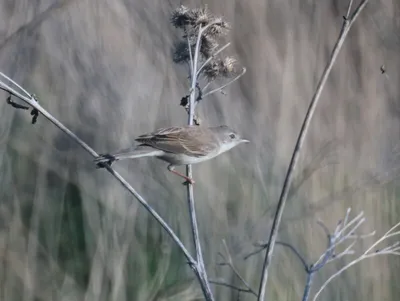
[179, 146]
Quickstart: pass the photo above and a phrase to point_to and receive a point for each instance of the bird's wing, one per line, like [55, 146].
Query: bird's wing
[191, 141]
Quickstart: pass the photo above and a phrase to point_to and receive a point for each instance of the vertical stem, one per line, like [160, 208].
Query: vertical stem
[307, 288]
[347, 23]
[202, 274]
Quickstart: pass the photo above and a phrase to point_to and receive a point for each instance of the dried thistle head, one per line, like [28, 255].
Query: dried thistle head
[207, 46]
[202, 16]
[220, 68]
[181, 17]
[190, 20]
[181, 49]
[218, 28]
[181, 52]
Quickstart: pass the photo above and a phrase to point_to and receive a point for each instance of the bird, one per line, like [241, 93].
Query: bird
[180, 145]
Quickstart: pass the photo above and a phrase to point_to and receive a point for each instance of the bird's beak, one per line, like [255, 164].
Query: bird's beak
[245, 141]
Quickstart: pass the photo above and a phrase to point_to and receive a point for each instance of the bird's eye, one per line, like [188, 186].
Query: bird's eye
[232, 136]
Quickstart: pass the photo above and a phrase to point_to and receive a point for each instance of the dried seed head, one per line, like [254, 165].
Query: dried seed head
[190, 20]
[220, 68]
[202, 16]
[228, 66]
[181, 49]
[181, 17]
[181, 52]
[219, 27]
[208, 46]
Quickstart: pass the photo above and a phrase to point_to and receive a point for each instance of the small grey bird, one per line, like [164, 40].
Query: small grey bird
[179, 146]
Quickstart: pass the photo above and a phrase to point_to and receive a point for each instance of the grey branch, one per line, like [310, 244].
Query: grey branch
[347, 23]
[205, 285]
[227, 261]
[372, 251]
[27, 98]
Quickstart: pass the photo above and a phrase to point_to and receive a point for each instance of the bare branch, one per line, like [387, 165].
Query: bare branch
[349, 9]
[369, 253]
[190, 56]
[296, 153]
[31, 102]
[324, 227]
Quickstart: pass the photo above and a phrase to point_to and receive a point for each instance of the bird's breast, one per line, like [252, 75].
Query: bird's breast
[182, 159]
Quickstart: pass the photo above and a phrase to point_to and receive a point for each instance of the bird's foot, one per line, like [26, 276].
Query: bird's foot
[188, 181]
[102, 161]
[103, 164]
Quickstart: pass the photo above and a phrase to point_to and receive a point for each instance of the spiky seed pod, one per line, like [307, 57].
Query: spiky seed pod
[228, 67]
[220, 68]
[208, 46]
[190, 20]
[181, 52]
[181, 17]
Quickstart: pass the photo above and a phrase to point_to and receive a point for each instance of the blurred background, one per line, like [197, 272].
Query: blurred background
[69, 231]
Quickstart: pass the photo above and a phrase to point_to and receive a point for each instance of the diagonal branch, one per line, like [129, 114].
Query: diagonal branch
[347, 23]
[31, 102]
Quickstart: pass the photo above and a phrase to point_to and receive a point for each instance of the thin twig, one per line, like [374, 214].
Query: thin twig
[15, 84]
[31, 102]
[227, 284]
[205, 87]
[300, 141]
[224, 86]
[349, 9]
[339, 237]
[365, 255]
[283, 244]
[190, 56]
[323, 226]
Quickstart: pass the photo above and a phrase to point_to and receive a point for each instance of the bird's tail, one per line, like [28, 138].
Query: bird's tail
[129, 153]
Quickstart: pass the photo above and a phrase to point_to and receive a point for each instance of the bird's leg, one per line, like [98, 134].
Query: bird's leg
[171, 168]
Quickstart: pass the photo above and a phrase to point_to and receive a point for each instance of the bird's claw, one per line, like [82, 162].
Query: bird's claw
[188, 181]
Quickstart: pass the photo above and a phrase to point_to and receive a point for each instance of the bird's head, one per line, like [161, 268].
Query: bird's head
[228, 137]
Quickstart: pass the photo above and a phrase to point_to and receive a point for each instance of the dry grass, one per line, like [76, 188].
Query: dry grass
[105, 70]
